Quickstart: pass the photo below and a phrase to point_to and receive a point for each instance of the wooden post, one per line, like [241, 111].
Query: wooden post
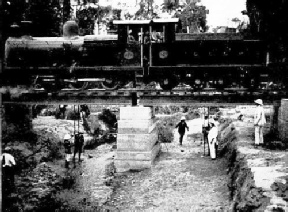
[78, 118]
[142, 48]
[1, 71]
[74, 120]
[150, 47]
[134, 99]
[1, 150]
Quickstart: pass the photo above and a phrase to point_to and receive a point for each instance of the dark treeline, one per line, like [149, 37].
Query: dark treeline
[269, 20]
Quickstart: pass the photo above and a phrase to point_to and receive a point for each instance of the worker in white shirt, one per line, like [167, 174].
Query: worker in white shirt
[8, 164]
[212, 139]
[244, 21]
[205, 131]
[259, 122]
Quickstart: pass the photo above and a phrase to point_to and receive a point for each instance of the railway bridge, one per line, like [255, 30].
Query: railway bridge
[137, 139]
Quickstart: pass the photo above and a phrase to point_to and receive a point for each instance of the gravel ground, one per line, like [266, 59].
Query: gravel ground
[181, 180]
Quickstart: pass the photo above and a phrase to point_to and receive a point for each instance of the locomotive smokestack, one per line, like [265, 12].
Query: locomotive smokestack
[70, 30]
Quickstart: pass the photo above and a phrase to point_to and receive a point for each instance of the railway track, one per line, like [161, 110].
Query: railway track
[147, 97]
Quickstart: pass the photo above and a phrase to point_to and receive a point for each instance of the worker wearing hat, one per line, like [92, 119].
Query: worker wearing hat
[205, 128]
[8, 164]
[212, 139]
[259, 122]
[181, 129]
[68, 149]
[78, 145]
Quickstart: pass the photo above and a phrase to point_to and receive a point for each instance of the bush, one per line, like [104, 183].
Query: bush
[94, 125]
[73, 115]
[108, 118]
[166, 126]
[165, 135]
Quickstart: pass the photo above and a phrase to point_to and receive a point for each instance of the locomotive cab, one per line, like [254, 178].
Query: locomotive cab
[161, 51]
[132, 36]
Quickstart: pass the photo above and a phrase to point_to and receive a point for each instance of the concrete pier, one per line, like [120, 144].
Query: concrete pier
[137, 137]
[283, 120]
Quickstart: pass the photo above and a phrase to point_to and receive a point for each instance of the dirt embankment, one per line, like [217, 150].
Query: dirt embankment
[258, 175]
[243, 193]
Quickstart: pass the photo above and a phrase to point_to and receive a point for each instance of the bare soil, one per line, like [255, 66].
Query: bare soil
[182, 179]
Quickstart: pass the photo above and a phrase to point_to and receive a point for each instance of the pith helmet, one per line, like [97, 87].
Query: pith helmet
[211, 121]
[259, 101]
[7, 149]
[183, 118]
[67, 137]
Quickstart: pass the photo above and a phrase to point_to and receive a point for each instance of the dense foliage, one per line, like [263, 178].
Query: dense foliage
[269, 20]
[191, 14]
[46, 16]
[108, 118]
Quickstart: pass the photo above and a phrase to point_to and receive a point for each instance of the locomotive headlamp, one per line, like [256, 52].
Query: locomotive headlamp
[163, 54]
[128, 55]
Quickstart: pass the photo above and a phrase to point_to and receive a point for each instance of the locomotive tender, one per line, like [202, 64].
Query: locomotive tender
[142, 51]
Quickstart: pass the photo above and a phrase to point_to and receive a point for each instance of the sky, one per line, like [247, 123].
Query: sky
[222, 11]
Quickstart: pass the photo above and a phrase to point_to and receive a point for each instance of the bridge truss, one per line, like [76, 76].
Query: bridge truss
[146, 97]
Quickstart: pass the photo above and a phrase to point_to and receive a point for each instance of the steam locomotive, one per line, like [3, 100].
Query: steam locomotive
[142, 52]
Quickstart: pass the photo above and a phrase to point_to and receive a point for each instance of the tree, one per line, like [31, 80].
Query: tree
[193, 16]
[108, 118]
[268, 21]
[66, 10]
[46, 17]
[13, 12]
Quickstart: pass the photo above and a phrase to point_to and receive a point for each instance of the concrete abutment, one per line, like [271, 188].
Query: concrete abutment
[137, 145]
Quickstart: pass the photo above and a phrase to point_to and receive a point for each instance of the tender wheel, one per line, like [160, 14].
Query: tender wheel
[197, 84]
[110, 84]
[168, 83]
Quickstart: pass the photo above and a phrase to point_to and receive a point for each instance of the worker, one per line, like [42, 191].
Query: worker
[78, 145]
[244, 22]
[130, 36]
[68, 149]
[62, 109]
[259, 122]
[205, 128]
[84, 111]
[181, 129]
[212, 139]
[8, 165]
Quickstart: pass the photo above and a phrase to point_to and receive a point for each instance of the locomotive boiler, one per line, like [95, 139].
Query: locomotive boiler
[142, 51]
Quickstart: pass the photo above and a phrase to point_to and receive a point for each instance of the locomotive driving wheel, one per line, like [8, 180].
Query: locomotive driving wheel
[110, 83]
[79, 85]
[74, 84]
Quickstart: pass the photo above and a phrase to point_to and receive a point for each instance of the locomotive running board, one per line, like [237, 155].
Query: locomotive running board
[193, 67]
